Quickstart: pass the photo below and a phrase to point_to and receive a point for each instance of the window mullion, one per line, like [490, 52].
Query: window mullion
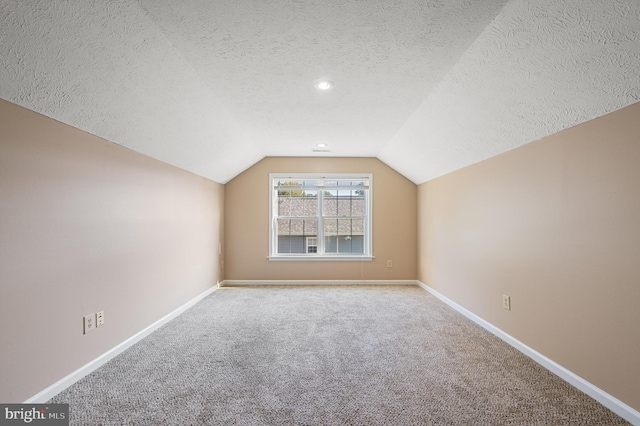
[274, 221]
[320, 213]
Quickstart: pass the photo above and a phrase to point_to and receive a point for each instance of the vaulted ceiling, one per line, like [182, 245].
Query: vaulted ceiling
[427, 86]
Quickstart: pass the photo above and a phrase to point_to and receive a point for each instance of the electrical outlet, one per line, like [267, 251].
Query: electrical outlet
[389, 263]
[89, 323]
[506, 302]
[99, 318]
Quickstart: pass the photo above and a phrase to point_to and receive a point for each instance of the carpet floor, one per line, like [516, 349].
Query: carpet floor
[340, 355]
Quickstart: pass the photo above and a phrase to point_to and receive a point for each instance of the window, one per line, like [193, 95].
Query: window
[312, 244]
[315, 217]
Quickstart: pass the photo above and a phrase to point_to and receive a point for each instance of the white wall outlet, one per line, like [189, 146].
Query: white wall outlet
[389, 263]
[89, 323]
[99, 318]
[506, 302]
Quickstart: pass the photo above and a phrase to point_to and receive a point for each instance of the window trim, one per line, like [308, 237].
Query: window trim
[368, 218]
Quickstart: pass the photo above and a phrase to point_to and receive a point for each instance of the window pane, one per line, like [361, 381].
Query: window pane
[290, 244]
[310, 203]
[358, 206]
[344, 236]
[295, 186]
[330, 204]
[292, 234]
[331, 244]
[344, 226]
[344, 203]
[297, 203]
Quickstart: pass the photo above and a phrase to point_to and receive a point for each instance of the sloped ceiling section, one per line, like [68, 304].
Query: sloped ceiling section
[106, 68]
[427, 86]
[538, 68]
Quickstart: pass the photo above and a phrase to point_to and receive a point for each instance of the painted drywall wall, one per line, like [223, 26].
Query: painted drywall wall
[247, 224]
[85, 226]
[556, 225]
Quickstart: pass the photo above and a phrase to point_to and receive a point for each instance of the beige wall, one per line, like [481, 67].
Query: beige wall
[556, 225]
[86, 225]
[247, 224]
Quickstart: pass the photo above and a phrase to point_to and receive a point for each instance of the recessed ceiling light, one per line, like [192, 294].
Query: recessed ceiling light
[324, 85]
[321, 145]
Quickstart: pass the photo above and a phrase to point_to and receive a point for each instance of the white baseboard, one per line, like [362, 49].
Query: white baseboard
[48, 393]
[239, 283]
[609, 401]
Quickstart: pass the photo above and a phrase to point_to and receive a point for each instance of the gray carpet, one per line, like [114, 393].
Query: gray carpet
[353, 355]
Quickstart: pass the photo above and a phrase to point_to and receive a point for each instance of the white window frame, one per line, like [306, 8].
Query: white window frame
[320, 255]
[309, 245]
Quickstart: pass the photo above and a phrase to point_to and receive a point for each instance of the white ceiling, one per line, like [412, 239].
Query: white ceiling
[427, 86]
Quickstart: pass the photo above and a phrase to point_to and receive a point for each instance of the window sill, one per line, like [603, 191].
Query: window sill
[305, 258]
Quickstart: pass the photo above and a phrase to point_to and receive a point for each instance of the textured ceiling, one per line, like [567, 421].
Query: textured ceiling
[212, 86]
